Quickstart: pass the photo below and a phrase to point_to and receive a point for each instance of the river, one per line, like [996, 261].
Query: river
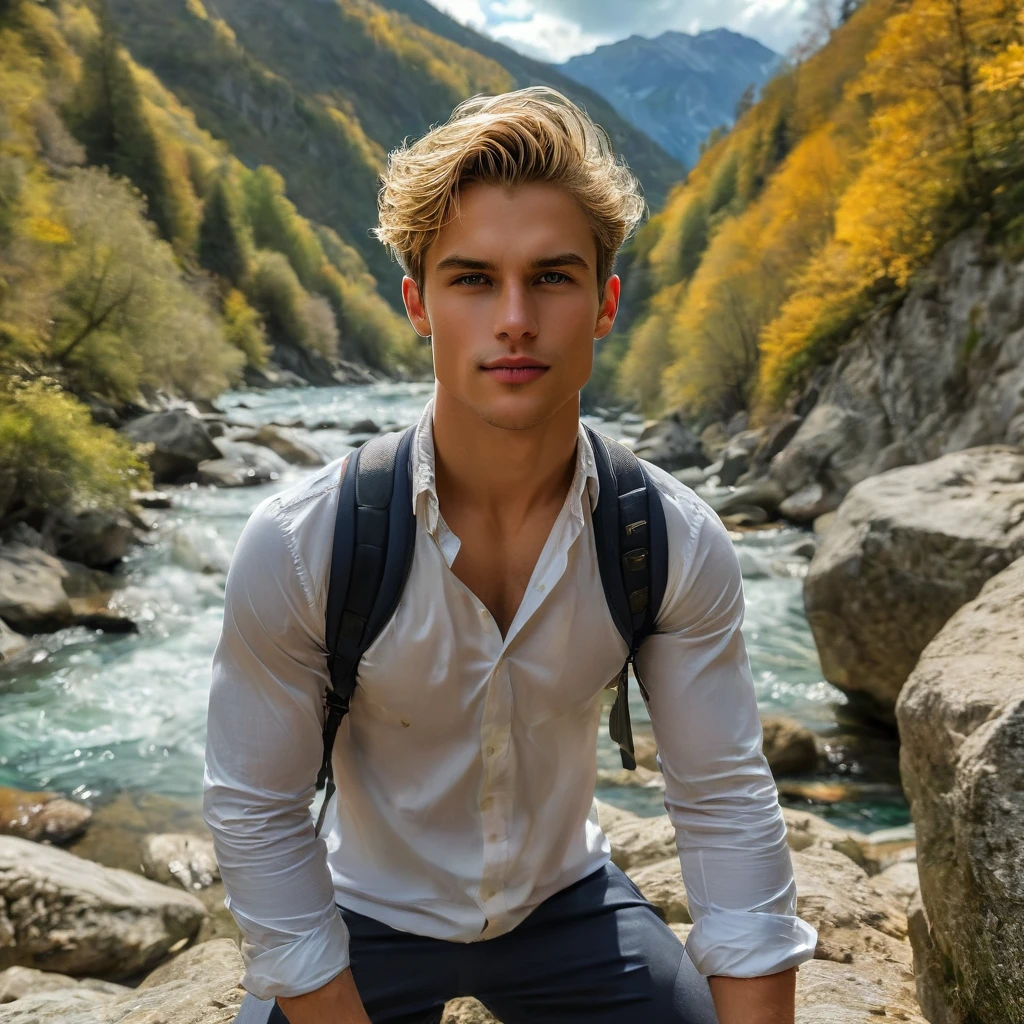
[97, 715]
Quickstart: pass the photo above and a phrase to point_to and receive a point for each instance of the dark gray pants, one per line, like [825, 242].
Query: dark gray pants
[596, 952]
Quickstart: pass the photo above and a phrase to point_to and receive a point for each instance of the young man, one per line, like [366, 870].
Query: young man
[463, 856]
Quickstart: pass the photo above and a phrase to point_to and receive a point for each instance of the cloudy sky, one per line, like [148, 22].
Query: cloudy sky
[556, 29]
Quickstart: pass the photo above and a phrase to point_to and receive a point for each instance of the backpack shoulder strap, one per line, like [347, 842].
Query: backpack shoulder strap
[374, 537]
[632, 554]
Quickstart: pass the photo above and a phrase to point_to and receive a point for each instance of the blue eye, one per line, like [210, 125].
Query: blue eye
[469, 278]
[555, 273]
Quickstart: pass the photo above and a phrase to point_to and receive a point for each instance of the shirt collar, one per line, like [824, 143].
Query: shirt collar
[424, 481]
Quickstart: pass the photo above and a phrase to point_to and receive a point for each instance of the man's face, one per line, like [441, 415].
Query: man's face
[510, 298]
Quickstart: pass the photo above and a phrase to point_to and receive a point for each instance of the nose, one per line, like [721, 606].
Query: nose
[515, 316]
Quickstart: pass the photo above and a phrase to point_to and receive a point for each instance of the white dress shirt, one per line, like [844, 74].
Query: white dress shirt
[466, 766]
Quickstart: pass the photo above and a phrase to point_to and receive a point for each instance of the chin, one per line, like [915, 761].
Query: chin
[521, 411]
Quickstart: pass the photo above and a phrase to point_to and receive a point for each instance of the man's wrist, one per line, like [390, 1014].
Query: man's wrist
[337, 1002]
[766, 1000]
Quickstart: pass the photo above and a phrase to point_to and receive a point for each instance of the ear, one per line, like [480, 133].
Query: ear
[609, 306]
[414, 306]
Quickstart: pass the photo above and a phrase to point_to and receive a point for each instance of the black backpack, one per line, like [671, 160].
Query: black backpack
[374, 536]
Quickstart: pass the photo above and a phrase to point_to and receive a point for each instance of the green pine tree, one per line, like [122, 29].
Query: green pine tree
[110, 121]
[224, 243]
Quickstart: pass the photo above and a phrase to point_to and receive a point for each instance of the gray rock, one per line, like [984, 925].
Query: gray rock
[929, 967]
[852, 919]
[738, 424]
[40, 593]
[12, 644]
[766, 494]
[180, 442]
[737, 456]
[199, 986]
[366, 426]
[73, 916]
[809, 503]
[899, 881]
[943, 372]
[713, 440]
[788, 746]
[32, 595]
[467, 1011]
[961, 720]
[180, 857]
[673, 446]
[908, 548]
[862, 992]
[285, 443]
[243, 464]
[19, 982]
[98, 539]
[41, 817]
[662, 884]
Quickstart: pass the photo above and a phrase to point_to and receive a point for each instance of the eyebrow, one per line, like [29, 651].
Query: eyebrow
[562, 259]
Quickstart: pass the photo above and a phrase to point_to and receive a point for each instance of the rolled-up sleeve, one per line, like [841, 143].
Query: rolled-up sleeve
[720, 794]
[263, 750]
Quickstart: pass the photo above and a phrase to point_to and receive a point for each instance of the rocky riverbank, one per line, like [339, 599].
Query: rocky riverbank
[85, 944]
[63, 571]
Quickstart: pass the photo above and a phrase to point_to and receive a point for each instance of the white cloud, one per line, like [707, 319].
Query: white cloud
[466, 12]
[557, 29]
[546, 36]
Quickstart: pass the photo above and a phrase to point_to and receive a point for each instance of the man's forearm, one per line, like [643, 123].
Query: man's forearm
[767, 1000]
[337, 1002]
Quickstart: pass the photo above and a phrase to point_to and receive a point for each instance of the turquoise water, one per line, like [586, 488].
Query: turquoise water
[93, 715]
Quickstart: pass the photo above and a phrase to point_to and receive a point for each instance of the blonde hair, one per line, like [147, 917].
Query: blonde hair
[530, 135]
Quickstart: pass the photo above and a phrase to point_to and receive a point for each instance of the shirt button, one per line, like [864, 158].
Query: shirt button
[491, 893]
[490, 751]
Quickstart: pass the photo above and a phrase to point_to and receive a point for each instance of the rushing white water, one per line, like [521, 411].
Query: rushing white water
[95, 714]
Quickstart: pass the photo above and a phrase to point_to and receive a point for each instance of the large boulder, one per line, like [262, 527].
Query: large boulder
[907, 549]
[19, 982]
[180, 442]
[199, 986]
[788, 746]
[862, 992]
[671, 445]
[98, 538]
[737, 455]
[41, 817]
[853, 919]
[943, 371]
[285, 443]
[242, 464]
[961, 721]
[70, 915]
[40, 593]
[32, 594]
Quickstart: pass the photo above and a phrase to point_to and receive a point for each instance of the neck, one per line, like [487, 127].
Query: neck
[502, 472]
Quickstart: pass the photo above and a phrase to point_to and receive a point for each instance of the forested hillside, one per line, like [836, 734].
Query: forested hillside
[824, 201]
[321, 91]
[186, 189]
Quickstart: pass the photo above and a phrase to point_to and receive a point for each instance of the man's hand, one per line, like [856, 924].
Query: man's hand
[767, 1000]
[337, 1002]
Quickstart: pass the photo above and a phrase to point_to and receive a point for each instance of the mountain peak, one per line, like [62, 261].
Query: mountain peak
[677, 87]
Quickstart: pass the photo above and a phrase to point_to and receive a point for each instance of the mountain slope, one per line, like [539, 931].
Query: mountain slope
[322, 90]
[656, 168]
[826, 200]
[677, 88]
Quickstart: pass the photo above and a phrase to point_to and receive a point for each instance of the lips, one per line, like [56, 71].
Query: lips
[515, 369]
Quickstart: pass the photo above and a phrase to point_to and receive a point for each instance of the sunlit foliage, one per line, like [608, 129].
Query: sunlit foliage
[828, 196]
